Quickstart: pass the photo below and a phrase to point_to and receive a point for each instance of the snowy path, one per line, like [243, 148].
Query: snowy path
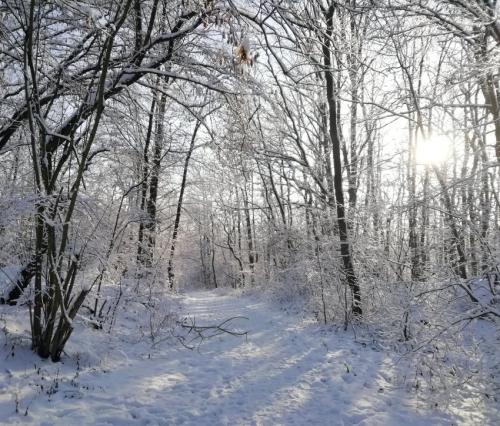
[287, 372]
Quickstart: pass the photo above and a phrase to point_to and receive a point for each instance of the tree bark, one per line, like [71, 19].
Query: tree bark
[144, 185]
[170, 268]
[345, 245]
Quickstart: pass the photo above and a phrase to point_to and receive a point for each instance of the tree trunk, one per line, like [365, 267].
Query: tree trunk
[170, 268]
[151, 207]
[249, 235]
[345, 245]
[144, 185]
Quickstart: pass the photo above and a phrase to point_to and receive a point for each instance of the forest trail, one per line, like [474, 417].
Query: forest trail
[286, 372]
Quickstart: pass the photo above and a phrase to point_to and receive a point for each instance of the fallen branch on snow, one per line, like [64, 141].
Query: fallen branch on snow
[196, 334]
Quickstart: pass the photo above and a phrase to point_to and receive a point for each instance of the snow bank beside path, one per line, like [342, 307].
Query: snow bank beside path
[287, 372]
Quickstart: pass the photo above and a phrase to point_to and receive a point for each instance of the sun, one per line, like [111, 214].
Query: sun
[433, 151]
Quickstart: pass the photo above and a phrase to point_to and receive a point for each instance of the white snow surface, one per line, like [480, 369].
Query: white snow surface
[287, 371]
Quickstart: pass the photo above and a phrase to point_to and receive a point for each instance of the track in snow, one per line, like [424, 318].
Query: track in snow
[286, 373]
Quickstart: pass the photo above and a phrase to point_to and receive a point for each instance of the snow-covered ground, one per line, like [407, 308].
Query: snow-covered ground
[286, 372]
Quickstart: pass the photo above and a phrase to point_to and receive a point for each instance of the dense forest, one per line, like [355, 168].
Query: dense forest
[338, 157]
